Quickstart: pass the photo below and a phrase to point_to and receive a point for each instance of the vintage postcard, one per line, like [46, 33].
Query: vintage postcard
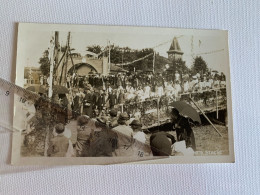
[118, 94]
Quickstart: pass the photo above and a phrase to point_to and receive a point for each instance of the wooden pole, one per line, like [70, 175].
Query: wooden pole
[67, 56]
[51, 56]
[206, 117]
[153, 60]
[109, 61]
[158, 111]
[217, 103]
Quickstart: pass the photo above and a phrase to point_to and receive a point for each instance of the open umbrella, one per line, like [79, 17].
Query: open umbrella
[37, 89]
[58, 89]
[186, 110]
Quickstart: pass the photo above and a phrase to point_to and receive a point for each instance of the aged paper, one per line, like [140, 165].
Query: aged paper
[114, 94]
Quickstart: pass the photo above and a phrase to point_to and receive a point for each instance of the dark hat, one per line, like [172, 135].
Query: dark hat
[123, 116]
[113, 112]
[102, 119]
[136, 123]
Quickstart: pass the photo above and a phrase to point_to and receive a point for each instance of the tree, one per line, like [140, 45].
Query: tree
[94, 48]
[199, 66]
[45, 63]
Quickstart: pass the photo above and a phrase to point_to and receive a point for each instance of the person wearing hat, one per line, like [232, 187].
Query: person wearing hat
[186, 84]
[112, 98]
[100, 100]
[194, 83]
[83, 135]
[103, 141]
[138, 135]
[177, 88]
[161, 143]
[121, 97]
[183, 129]
[113, 118]
[125, 136]
[58, 145]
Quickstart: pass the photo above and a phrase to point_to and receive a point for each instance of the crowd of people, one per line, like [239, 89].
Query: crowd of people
[96, 102]
[93, 94]
[119, 137]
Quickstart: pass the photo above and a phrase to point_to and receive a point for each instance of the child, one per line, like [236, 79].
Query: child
[58, 145]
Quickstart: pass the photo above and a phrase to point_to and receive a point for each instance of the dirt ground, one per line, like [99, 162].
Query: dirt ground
[209, 142]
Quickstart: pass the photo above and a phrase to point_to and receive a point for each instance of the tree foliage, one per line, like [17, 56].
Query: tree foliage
[199, 66]
[119, 55]
[94, 48]
[45, 63]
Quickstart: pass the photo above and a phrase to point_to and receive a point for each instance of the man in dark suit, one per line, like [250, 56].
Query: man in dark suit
[88, 102]
[112, 98]
[101, 100]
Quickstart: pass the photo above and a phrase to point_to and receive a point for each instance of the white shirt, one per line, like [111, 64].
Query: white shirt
[186, 86]
[140, 136]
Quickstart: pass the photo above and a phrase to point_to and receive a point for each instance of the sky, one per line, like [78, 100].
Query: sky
[32, 44]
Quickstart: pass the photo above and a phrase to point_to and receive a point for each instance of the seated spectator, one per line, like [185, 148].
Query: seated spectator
[161, 143]
[139, 135]
[103, 141]
[113, 118]
[83, 136]
[58, 145]
[125, 136]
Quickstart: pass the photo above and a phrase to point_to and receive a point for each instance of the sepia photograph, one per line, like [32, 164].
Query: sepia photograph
[118, 94]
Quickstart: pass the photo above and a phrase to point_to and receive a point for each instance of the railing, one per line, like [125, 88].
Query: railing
[155, 111]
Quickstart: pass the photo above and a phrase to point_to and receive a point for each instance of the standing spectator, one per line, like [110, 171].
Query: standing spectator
[147, 91]
[88, 102]
[186, 85]
[177, 88]
[183, 129]
[194, 83]
[101, 101]
[177, 76]
[211, 81]
[68, 80]
[121, 97]
[112, 99]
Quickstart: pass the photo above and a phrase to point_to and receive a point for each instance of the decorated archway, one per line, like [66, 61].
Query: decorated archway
[82, 69]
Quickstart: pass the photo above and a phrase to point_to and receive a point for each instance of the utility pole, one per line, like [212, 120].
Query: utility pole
[51, 57]
[66, 59]
[153, 60]
[65, 63]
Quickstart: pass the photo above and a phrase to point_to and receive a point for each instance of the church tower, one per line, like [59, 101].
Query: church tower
[175, 52]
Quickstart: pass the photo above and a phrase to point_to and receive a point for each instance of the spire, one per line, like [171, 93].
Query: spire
[175, 50]
[175, 47]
